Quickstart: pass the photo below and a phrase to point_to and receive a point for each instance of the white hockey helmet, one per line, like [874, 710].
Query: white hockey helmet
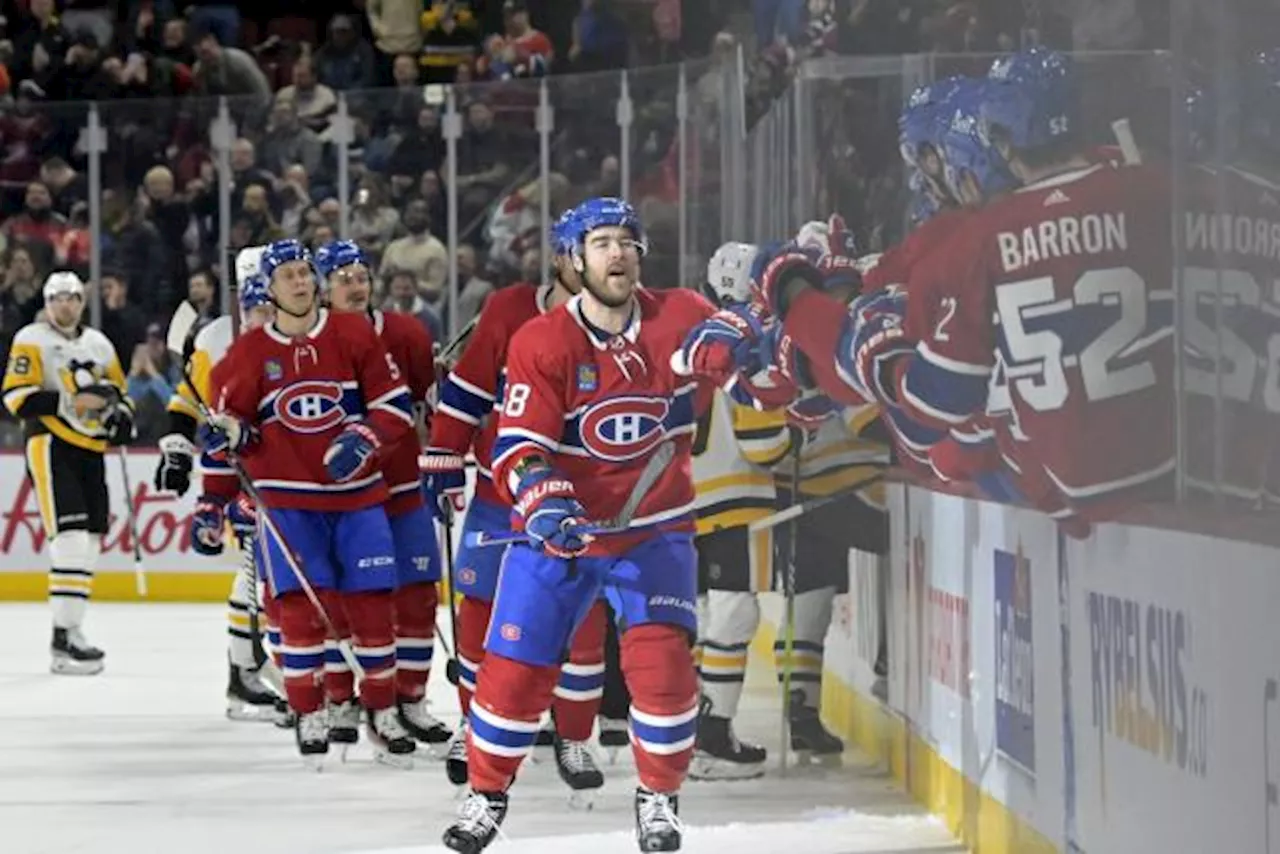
[63, 283]
[248, 263]
[729, 272]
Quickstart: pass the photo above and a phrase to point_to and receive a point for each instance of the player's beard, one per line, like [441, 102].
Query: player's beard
[608, 295]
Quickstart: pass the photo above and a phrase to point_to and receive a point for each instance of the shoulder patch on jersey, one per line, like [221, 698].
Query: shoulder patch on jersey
[624, 428]
[588, 377]
[311, 406]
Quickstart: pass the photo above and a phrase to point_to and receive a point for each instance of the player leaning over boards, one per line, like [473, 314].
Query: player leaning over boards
[345, 272]
[467, 421]
[305, 403]
[64, 381]
[249, 698]
[590, 397]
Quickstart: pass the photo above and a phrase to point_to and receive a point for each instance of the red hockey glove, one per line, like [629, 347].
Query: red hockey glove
[876, 339]
[722, 345]
[444, 481]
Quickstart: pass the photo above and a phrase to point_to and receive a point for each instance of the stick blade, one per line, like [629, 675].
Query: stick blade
[181, 325]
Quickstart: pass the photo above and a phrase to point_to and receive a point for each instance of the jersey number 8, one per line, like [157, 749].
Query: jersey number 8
[1037, 367]
[517, 399]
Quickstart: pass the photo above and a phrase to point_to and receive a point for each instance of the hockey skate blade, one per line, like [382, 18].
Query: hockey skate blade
[809, 759]
[313, 762]
[237, 710]
[582, 800]
[709, 769]
[71, 667]
[398, 761]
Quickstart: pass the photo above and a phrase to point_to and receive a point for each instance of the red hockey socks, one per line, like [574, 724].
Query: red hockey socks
[415, 606]
[580, 687]
[509, 701]
[339, 681]
[372, 619]
[301, 651]
[664, 703]
[473, 624]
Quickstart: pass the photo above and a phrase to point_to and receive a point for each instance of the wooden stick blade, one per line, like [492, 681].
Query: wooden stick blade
[181, 325]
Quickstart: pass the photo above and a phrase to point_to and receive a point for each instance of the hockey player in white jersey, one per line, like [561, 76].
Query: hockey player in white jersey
[248, 696]
[65, 383]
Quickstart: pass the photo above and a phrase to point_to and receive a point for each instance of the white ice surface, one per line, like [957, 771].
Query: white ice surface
[141, 759]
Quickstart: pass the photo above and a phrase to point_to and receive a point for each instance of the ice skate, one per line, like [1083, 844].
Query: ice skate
[718, 755]
[809, 738]
[579, 771]
[73, 655]
[392, 744]
[479, 818]
[455, 761]
[344, 725]
[312, 734]
[658, 826]
[546, 735]
[422, 725]
[248, 697]
[285, 718]
[614, 737]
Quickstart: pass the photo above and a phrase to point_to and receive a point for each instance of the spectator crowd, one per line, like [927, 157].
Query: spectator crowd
[157, 70]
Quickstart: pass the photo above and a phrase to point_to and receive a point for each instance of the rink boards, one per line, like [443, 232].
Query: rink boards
[1116, 694]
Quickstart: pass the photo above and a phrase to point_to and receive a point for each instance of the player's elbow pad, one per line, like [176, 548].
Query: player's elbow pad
[39, 403]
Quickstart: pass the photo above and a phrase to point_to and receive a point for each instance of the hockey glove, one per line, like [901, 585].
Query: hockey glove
[444, 481]
[118, 426]
[831, 247]
[874, 342]
[776, 383]
[224, 434]
[207, 523]
[552, 516]
[811, 411]
[353, 454]
[177, 456]
[721, 346]
[243, 518]
[776, 266]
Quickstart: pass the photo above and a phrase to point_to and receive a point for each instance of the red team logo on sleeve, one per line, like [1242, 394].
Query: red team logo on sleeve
[310, 406]
[624, 428]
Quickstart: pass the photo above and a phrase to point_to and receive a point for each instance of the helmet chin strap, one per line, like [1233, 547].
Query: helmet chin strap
[315, 301]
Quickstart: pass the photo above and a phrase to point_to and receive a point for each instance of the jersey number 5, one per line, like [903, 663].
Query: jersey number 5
[1037, 365]
[517, 399]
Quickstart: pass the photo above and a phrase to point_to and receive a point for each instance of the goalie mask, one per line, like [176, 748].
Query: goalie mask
[729, 273]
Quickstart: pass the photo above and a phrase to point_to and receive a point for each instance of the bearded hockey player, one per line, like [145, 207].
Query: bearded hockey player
[466, 421]
[64, 383]
[590, 397]
[345, 271]
[305, 404]
[248, 696]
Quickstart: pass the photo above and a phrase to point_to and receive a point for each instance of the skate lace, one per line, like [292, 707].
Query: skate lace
[313, 727]
[656, 812]
[388, 726]
[417, 712]
[458, 745]
[576, 757]
[346, 715]
[475, 818]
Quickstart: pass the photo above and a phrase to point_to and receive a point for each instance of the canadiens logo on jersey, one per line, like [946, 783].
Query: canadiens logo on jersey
[314, 406]
[618, 429]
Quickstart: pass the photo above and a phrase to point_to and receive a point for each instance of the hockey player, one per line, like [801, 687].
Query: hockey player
[466, 420]
[305, 404]
[589, 398]
[345, 271]
[64, 382]
[248, 696]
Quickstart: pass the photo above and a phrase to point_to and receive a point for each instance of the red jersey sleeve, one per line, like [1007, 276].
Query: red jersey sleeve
[388, 410]
[533, 405]
[420, 370]
[468, 393]
[234, 390]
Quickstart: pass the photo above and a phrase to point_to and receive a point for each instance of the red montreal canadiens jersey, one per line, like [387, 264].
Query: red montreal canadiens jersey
[598, 408]
[466, 418]
[301, 393]
[409, 344]
[1069, 278]
[895, 265]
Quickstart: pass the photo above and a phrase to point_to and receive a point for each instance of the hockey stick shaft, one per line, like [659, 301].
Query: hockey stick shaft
[789, 610]
[139, 574]
[451, 669]
[800, 508]
[653, 470]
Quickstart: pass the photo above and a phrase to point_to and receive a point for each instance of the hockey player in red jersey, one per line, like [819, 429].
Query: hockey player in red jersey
[305, 403]
[589, 399]
[466, 420]
[349, 288]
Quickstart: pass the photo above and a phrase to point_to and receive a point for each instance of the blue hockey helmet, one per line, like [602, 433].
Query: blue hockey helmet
[923, 205]
[336, 254]
[563, 233]
[927, 112]
[1036, 66]
[1032, 98]
[604, 212]
[253, 292]
[966, 149]
[282, 252]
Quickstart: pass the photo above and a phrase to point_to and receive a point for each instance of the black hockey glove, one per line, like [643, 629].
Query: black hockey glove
[177, 454]
[119, 426]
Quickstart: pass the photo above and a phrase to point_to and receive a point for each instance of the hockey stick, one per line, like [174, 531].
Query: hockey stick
[1128, 145]
[456, 343]
[139, 574]
[653, 469]
[800, 508]
[179, 341]
[451, 669]
[789, 611]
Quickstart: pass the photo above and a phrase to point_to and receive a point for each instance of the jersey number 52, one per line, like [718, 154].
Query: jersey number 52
[1037, 361]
